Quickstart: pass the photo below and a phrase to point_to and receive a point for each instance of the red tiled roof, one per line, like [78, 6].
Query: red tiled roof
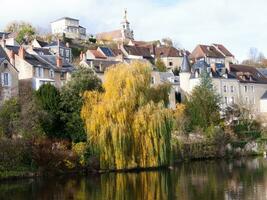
[246, 73]
[223, 50]
[169, 52]
[98, 54]
[206, 51]
[116, 34]
[137, 51]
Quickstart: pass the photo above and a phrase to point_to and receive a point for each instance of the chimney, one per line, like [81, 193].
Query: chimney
[21, 52]
[213, 67]
[11, 56]
[3, 41]
[59, 62]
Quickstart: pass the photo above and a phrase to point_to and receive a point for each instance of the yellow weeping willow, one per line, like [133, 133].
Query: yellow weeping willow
[129, 122]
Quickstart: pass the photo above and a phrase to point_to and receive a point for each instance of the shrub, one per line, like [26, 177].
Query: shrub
[54, 156]
[9, 118]
[15, 154]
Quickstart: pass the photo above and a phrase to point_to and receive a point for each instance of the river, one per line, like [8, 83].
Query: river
[197, 180]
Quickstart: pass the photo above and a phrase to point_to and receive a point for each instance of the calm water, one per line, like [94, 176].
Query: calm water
[200, 180]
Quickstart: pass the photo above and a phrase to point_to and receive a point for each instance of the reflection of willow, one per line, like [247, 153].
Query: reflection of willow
[144, 185]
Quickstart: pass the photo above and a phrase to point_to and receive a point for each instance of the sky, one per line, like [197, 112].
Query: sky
[238, 24]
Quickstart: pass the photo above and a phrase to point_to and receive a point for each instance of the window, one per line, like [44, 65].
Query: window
[232, 88]
[170, 63]
[252, 88]
[5, 65]
[5, 79]
[67, 53]
[62, 75]
[51, 73]
[225, 88]
[247, 100]
[39, 72]
[61, 52]
[246, 88]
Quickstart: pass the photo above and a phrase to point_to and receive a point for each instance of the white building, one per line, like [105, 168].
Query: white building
[234, 83]
[70, 27]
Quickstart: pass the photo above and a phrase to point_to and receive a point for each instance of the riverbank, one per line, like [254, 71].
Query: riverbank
[182, 151]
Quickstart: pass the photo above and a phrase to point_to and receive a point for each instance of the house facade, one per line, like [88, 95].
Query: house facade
[9, 78]
[171, 57]
[70, 27]
[159, 78]
[36, 70]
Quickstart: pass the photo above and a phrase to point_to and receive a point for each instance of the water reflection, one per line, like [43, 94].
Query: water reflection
[241, 179]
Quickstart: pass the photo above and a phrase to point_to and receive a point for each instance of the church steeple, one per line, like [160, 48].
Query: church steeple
[125, 27]
[125, 15]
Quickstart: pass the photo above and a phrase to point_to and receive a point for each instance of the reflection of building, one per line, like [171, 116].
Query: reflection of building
[70, 27]
[122, 34]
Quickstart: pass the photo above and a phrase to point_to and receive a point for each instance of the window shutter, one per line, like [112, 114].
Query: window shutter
[36, 71]
[2, 79]
[9, 80]
[42, 72]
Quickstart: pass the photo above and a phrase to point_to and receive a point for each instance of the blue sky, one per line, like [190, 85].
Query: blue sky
[238, 24]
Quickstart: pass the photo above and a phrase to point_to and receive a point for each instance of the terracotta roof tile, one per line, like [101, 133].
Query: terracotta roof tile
[246, 73]
[116, 34]
[98, 54]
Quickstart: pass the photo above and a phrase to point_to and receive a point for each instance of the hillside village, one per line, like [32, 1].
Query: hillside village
[37, 62]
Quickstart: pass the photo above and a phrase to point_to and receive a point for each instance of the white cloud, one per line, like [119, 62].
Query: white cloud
[239, 24]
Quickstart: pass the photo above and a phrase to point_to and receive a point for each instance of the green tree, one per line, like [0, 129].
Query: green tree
[25, 31]
[9, 118]
[203, 105]
[48, 98]
[83, 79]
[130, 128]
[160, 65]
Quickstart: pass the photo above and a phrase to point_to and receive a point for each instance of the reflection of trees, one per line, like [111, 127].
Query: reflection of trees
[242, 179]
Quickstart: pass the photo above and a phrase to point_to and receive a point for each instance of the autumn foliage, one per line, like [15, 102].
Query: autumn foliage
[130, 127]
